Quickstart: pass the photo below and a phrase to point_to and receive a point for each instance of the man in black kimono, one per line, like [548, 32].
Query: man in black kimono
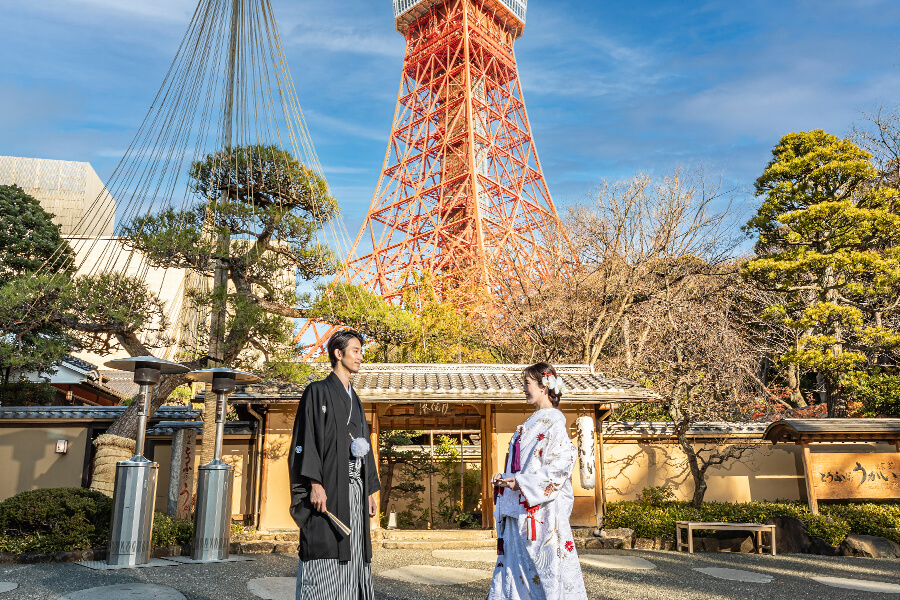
[327, 475]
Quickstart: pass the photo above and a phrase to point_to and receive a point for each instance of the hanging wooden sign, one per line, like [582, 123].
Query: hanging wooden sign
[871, 476]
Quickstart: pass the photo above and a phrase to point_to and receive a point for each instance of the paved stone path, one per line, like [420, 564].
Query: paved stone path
[273, 588]
[862, 585]
[435, 575]
[127, 591]
[449, 575]
[612, 561]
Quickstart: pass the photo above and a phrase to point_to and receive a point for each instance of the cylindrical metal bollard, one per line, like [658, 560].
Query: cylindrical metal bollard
[134, 496]
[212, 520]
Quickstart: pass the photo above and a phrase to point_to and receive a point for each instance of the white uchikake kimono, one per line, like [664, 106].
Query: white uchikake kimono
[539, 561]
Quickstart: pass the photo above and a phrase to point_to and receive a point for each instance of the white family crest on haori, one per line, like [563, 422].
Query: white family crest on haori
[537, 557]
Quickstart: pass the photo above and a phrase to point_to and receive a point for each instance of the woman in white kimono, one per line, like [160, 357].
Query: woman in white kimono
[536, 552]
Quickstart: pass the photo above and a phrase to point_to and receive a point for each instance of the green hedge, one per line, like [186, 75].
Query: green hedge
[168, 531]
[55, 519]
[66, 519]
[835, 521]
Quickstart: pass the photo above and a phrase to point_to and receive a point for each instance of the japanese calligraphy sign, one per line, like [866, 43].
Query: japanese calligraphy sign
[871, 476]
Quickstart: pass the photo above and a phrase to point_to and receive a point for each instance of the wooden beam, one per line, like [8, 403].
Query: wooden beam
[488, 466]
[374, 432]
[600, 472]
[810, 486]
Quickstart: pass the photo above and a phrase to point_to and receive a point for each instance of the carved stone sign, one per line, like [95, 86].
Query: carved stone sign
[871, 476]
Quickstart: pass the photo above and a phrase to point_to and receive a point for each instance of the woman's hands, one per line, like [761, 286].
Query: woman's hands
[499, 481]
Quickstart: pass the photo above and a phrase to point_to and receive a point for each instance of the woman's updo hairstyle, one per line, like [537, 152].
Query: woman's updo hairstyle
[538, 372]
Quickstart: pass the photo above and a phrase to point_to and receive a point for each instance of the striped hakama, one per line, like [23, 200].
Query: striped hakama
[330, 579]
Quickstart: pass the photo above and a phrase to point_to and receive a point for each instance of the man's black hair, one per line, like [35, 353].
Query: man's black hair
[339, 341]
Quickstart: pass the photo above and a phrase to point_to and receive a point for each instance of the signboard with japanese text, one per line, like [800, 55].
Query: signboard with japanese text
[872, 476]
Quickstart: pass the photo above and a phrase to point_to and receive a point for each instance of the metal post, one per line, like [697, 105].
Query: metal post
[134, 492]
[143, 407]
[212, 519]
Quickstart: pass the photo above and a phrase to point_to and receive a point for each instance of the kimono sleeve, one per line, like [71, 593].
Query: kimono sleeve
[557, 461]
[305, 460]
[372, 483]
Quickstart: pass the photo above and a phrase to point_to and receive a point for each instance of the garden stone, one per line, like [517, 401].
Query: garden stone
[622, 533]
[35, 557]
[706, 544]
[822, 548]
[87, 555]
[869, 546]
[604, 543]
[99, 554]
[791, 536]
[643, 544]
[61, 557]
[285, 548]
[664, 543]
[261, 547]
[735, 541]
[7, 558]
[234, 547]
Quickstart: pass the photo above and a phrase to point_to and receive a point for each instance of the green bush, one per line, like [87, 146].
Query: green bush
[54, 519]
[168, 531]
[66, 519]
[835, 521]
[657, 495]
[868, 519]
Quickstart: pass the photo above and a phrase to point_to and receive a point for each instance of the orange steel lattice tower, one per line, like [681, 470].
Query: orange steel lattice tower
[461, 199]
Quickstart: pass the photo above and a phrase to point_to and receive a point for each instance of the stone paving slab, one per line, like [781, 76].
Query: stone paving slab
[862, 585]
[434, 575]
[7, 586]
[612, 561]
[101, 565]
[736, 575]
[273, 588]
[466, 555]
[127, 591]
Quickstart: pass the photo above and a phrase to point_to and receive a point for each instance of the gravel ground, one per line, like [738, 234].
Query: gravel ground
[673, 578]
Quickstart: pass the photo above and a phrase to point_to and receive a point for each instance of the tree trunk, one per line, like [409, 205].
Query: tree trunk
[835, 401]
[697, 473]
[387, 483]
[793, 382]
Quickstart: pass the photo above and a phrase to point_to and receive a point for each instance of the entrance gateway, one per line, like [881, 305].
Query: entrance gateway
[484, 401]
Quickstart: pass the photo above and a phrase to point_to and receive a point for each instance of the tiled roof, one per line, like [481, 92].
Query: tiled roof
[460, 382]
[167, 428]
[81, 365]
[109, 413]
[653, 429]
[795, 430]
[120, 383]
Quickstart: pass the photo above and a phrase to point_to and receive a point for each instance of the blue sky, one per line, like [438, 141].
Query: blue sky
[612, 87]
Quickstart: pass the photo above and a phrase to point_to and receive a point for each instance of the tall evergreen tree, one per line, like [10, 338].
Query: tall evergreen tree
[32, 255]
[829, 240]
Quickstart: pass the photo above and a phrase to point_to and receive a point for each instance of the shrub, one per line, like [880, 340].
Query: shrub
[168, 531]
[833, 524]
[656, 495]
[54, 519]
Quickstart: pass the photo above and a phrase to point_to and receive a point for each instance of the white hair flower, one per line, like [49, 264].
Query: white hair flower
[554, 383]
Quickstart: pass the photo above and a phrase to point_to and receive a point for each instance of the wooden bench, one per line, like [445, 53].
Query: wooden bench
[691, 526]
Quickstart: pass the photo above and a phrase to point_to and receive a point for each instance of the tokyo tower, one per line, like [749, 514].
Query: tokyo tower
[461, 200]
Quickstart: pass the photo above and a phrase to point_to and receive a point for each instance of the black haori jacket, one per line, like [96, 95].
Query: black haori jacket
[320, 450]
